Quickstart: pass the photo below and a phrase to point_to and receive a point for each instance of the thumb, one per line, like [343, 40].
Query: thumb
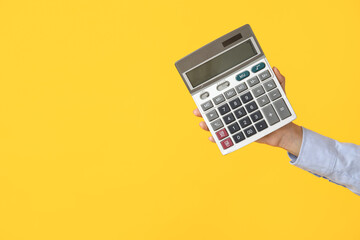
[280, 77]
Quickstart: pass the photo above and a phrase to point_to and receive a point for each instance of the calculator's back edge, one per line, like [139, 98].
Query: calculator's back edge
[213, 48]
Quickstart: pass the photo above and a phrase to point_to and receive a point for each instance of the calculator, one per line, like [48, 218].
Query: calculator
[235, 89]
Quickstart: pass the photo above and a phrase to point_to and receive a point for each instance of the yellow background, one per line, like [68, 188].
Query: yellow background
[98, 140]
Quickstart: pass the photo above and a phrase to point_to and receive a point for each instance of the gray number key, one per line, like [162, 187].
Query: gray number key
[274, 94]
[230, 93]
[216, 124]
[269, 85]
[258, 91]
[282, 109]
[253, 81]
[207, 105]
[263, 100]
[212, 115]
[270, 115]
[264, 75]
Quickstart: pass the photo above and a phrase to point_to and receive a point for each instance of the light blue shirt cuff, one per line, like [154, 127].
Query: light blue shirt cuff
[325, 157]
[317, 154]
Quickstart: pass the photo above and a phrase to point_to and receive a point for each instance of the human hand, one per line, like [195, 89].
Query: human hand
[288, 137]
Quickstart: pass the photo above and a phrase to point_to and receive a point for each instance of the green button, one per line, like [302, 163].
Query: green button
[257, 67]
[242, 75]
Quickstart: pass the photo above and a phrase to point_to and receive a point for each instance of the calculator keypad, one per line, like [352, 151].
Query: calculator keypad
[241, 87]
[256, 116]
[258, 91]
[212, 115]
[230, 93]
[250, 107]
[274, 94]
[238, 137]
[261, 125]
[253, 81]
[207, 105]
[235, 103]
[224, 109]
[242, 75]
[264, 75]
[229, 118]
[227, 143]
[250, 131]
[282, 109]
[222, 134]
[239, 113]
[233, 128]
[269, 85]
[263, 100]
[219, 99]
[258, 67]
[245, 122]
[246, 97]
[270, 114]
[216, 124]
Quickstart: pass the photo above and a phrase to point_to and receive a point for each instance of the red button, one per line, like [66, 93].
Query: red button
[227, 143]
[222, 134]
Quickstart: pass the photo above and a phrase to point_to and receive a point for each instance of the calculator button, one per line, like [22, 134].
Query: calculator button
[269, 85]
[270, 115]
[241, 87]
[257, 67]
[263, 100]
[207, 105]
[204, 95]
[235, 103]
[224, 109]
[242, 75]
[238, 137]
[219, 99]
[216, 124]
[246, 97]
[258, 91]
[233, 128]
[222, 86]
[264, 75]
[261, 125]
[229, 118]
[227, 143]
[256, 116]
[222, 134]
[212, 115]
[250, 131]
[282, 109]
[274, 94]
[245, 122]
[251, 107]
[239, 113]
[253, 81]
[230, 93]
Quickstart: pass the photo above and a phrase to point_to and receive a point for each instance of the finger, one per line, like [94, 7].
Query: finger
[197, 113]
[280, 77]
[211, 138]
[204, 126]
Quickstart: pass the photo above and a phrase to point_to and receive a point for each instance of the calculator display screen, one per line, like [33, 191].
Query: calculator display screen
[221, 63]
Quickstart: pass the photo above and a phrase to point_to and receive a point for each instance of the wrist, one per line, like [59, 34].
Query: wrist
[291, 140]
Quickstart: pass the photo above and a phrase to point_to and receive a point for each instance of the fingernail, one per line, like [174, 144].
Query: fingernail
[275, 69]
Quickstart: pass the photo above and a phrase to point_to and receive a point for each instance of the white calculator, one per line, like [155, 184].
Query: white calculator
[235, 89]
